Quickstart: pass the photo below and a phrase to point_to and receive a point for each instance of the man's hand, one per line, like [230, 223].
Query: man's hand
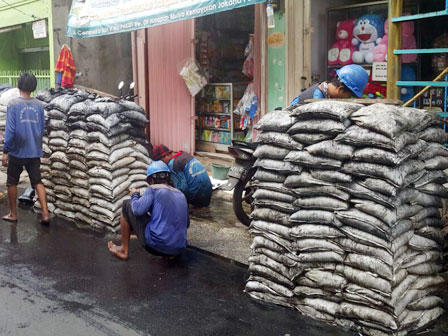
[133, 191]
[5, 160]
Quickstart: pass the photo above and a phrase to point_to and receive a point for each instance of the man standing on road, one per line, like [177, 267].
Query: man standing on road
[25, 125]
[187, 174]
[159, 217]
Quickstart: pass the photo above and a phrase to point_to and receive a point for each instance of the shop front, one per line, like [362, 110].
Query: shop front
[226, 48]
[26, 40]
[173, 37]
[406, 51]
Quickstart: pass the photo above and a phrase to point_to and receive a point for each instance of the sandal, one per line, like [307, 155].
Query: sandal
[45, 221]
[8, 218]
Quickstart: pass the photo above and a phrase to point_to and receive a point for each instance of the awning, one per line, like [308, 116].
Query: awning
[90, 18]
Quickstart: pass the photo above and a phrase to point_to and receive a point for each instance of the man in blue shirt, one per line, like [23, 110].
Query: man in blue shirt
[187, 174]
[25, 125]
[351, 81]
[159, 217]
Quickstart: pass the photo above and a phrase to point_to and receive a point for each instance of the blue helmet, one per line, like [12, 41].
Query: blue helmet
[157, 167]
[355, 77]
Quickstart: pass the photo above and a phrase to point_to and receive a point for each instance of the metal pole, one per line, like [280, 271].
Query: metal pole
[394, 42]
[426, 88]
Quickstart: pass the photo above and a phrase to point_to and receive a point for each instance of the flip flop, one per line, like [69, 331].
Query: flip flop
[45, 222]
[7, 218]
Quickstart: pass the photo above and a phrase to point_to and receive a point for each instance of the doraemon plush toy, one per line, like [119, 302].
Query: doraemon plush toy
[368, 31]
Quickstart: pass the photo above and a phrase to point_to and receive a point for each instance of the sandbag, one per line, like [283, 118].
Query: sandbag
[277, 121]
[326, 109]
[305, 159]
[331, 149]
[270, 152]
[317, 126]
[361, 137]
[279, 139]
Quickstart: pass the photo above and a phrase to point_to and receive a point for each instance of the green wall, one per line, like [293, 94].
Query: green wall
[9, 57]
[24, 12]
[12, 55]
[277, 63]
[21, 11]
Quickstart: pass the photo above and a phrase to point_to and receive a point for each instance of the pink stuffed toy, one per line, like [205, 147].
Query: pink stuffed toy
[407, 42]
[380, 51]
[341, 52]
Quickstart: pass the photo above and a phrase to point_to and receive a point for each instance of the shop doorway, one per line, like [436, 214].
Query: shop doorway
[225, 51]
[170, 103]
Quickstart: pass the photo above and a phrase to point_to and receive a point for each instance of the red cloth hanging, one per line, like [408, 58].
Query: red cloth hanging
[66, 66]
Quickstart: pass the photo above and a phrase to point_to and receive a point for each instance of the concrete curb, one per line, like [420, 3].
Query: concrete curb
[218, 256]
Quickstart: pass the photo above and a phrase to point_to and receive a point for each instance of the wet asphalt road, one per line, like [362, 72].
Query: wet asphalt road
[61, 280]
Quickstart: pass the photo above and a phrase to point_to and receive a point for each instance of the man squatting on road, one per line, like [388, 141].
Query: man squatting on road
[159, 217]
[25, 125]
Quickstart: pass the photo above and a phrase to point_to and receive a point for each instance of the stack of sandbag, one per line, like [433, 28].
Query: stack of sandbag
[58, 137]
[98, 148]
[6, 95]
[346, 225]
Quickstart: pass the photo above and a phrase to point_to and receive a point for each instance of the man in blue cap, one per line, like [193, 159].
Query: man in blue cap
[351, 81]
[159, 217]
[188, 175]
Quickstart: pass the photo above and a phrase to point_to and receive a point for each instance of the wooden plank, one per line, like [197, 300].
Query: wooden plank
[394, 43]
[420, 16]
[422, 83]
[366, 101]
[99, 93]
[421, 51]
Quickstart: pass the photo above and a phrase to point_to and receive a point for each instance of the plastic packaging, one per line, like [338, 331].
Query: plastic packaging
[194, 77]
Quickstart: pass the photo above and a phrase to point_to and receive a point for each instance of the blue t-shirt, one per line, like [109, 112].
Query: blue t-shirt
[193, 181]
[166, 231]
[313, 92]
[25, 123]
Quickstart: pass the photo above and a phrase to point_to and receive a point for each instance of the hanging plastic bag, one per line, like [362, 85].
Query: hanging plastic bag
[245, 103]
[194, 76]
[248, 65]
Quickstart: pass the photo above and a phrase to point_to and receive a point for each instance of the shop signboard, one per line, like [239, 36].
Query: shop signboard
[379, 71]
[90, 18]
[39, 29]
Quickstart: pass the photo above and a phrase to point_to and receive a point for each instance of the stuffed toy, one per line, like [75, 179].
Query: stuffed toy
[368, 31]
[380, 51]
[408, 41]
[407, 74]
[341, 52]
[375, 89]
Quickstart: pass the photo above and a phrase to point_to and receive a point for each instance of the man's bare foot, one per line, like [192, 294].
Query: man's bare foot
[117, 251]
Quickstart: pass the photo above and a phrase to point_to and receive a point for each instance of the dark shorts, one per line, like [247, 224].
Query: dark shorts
[138, 226]
[15, 169]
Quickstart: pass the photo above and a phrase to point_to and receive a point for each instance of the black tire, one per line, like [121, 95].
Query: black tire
[241, 194]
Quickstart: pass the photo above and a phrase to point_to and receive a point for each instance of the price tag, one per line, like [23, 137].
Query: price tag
[379, 71]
